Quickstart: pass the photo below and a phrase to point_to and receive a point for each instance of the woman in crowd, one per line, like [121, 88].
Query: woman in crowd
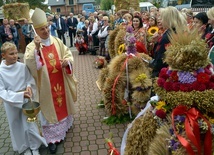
[151, 32]
[140, 34]
[85, 34]
[102, 34]
[189, 15]
[118, 19]
[92, 34]
[204, 28]
[145, 19]
[171, 20]
[200, 21]
[52, 27]
[210, 35]
[81, 23]
[127, 19]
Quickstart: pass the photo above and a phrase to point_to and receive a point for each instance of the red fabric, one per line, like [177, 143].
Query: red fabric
[192, 131]
[55, 73]
[141, 47]
[84, 45]
[68, 70]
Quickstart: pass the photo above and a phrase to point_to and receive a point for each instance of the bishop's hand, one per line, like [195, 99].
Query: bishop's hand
[37, 41]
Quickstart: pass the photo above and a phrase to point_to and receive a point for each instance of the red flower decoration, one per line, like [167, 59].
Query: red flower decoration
[190, 87]
[203, 78]
[212, 78]
[184, 87]
[163, 73]
[161, 82]
[210, 85]
[168, 86]
[160, 113]
[176, 86]
[174, 76]
[199, 86]
[202, 87]
[195, 85]
[207, 71]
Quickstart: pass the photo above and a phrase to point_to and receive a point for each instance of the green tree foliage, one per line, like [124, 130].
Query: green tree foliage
[1, 3]
[97, 2]
[106, 4]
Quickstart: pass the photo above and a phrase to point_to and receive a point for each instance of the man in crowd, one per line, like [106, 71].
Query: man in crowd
[72, 27]
[16, 27]
[27, 31]
[6, 32]
[61, 27]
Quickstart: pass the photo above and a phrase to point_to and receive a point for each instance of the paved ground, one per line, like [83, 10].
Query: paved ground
[87, 135]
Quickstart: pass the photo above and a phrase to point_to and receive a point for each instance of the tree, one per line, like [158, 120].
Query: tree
[106, 4]
[1, 3]
[97, 2]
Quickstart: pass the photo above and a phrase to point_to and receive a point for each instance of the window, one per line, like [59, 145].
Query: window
[72, 9]
[71, 2]
[58, 10]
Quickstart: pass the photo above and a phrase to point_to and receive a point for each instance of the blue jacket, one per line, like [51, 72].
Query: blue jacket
[52, 28]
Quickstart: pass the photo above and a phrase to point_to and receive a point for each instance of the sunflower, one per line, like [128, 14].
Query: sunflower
[152, 30]
[121, 49]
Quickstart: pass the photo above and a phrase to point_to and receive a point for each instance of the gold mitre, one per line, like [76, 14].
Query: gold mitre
[39, 18]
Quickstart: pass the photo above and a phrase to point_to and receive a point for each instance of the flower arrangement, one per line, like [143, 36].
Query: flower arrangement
[100, 62]
[188, 126]
[130, 41]
[113, 81]
[183, 113]
[199, 80]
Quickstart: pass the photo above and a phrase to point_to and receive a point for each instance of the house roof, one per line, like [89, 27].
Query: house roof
[56, 2]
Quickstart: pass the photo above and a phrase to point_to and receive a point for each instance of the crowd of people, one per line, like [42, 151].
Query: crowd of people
[52, 72]
[90, 33]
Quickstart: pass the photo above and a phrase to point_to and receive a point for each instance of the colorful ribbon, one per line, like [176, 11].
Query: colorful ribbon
[113, 108]
[112, 149]
[193, 131]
